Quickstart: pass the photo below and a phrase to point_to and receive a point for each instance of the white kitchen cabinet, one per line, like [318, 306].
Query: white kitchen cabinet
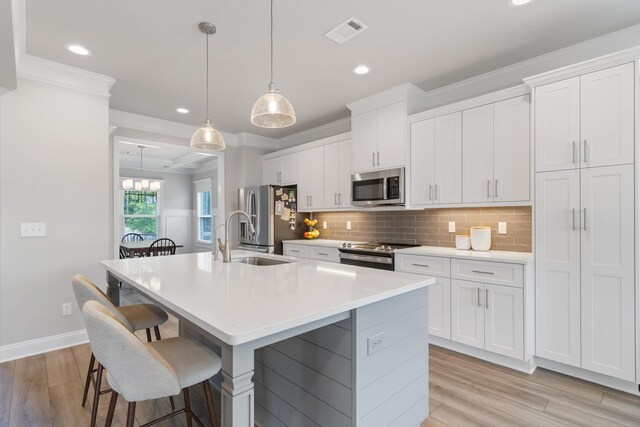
[503, 321]
[440, 308]
[586, 121]
[436, 162]
[311, 183]
[557, 243]
[337, 175]
[585, 269]
[495, 155]
[607, 116]
[283, 170]
[379, 138]
[467, 313]
[607, 267]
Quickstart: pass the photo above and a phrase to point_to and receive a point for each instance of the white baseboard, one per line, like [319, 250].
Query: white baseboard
[594, 377]
[526, 366]
[42, 345]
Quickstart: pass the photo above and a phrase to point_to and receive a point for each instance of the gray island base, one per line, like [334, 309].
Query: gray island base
[366, 365]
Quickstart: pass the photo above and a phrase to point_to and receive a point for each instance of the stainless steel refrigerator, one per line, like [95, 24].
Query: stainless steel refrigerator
[275, 216]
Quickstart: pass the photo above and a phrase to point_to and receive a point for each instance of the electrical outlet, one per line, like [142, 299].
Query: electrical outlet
[33, 229]
[348, 225]
[502, 228]
[375, 343]
[324, 225]
[66, 309]
[452, 227]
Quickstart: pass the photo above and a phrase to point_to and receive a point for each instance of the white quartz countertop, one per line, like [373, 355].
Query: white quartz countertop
[320, 242]
[239, 303]
[501, 256]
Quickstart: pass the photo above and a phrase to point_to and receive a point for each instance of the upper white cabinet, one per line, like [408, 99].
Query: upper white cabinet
[337, 175]
[586, 121]
[495, 152]
[283, 170]
[379, 138]
[311, 182]
[436, 164]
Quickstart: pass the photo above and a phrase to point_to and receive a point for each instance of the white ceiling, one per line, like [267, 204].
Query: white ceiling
[155, 51]
[160, 158]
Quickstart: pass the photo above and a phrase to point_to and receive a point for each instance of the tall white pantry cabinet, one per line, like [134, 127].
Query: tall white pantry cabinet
[585, 217]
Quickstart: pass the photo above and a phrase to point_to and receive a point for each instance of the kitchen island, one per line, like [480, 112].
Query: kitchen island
[302, 342]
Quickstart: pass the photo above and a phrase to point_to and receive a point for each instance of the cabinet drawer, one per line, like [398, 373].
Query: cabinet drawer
[498, 273]
[421, 264]
[297, 251]
[325, 254]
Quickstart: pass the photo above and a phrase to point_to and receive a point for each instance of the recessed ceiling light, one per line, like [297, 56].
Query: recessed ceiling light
[517, 3]
[182, 110]
[78, 50]
[361, 69]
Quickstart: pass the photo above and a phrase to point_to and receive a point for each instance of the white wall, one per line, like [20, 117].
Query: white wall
[54, 168]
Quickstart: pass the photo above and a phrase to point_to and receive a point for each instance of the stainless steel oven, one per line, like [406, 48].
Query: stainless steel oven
[378, 188]
[372, 255]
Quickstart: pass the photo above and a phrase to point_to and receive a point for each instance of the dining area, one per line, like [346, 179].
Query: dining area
[134, 245]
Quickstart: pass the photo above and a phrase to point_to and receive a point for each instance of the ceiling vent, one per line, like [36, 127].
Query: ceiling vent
[346, 31]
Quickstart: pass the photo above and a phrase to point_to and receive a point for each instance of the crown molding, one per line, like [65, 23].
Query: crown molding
[333, 128]
[412, 94]
[42, 70]
[258, 141]
[309, 145]
[123, 119]
[606, 61]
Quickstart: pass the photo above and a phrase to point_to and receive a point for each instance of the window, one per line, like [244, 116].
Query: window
[140, 213]
[204, 216]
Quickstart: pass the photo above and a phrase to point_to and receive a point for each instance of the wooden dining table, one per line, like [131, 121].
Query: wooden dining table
[138, 248]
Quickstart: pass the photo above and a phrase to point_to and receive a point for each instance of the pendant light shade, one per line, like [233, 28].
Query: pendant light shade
[272, 110]
[207, 137]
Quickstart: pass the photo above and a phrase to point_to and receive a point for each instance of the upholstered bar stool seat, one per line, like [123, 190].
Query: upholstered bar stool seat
[135, 317]
[142, 371]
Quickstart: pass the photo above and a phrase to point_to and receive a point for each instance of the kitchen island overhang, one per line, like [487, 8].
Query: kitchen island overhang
[321, 330]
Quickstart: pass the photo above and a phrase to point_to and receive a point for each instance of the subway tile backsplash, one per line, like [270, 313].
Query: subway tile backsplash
[430, 227]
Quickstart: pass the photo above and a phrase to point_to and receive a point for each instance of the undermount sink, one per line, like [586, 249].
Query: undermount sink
[254, 260]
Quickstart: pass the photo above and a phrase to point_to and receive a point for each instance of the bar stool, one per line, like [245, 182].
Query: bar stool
[134, 317]
[143, 371]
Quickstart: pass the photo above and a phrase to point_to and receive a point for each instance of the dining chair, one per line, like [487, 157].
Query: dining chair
[162, 247]
[142, 371]
[129, 237]
[134, 317]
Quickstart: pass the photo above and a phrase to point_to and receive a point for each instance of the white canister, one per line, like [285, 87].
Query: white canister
[480, 238]
[463, 241]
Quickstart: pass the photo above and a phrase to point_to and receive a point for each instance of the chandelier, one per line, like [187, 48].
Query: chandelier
[140, 184]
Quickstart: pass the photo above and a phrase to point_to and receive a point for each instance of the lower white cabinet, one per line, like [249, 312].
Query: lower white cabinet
[489, 317]
[315, 252]
[297, 251]
[440, 308]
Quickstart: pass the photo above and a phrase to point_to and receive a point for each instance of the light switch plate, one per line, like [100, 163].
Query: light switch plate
[33, 229]
[324, 225]
[348, 225]
[502, 228]
[375, 343]
[66, 309]
[452, 226]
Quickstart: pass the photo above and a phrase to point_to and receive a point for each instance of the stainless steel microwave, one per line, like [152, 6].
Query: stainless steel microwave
[378, 188]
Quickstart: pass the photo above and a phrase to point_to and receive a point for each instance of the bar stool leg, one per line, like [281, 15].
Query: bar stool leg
[96, 395]
[187, 407]
[210, 407]
[131, 414]
[157, 331]
[112, 408]
[92, 363]
[148, 335]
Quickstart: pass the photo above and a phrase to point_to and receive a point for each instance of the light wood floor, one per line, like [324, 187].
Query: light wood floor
[46, 390]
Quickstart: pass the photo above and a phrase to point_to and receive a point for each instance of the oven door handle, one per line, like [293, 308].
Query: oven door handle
[366, 258]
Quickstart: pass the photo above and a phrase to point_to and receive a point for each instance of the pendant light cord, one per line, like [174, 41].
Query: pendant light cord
[271, 41]
[207, 47]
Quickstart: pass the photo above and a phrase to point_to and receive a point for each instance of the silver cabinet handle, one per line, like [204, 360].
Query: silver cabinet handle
[482, 272]
[294, 250]
[486, 298]
[585, 160]
[488, 188]
[478, 296]
[437, 192]
[430, 192]
[373, 159]
[311, 198]
[584, 224]
[573, 219]
[495, 188]
[573, 152]
[335, 199]
[421, 265]
[378, 158]
[323, 254]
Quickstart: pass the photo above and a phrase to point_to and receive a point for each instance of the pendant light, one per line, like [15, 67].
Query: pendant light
[207, 137]
[272, 110]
